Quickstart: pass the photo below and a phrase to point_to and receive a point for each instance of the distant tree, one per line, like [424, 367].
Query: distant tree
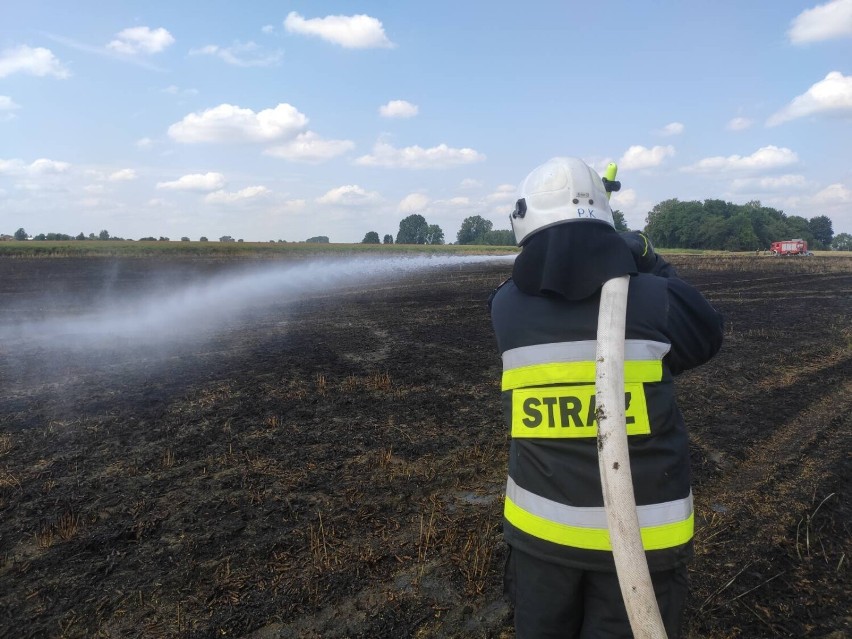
[798, 227]
[103, 235]
[163, 239]
[434, 234]
[184, 239]
[412, 230]
[498, 238]
[203, 239]
[370, 238]
[226, 238]
[668, 223]
[53, 237]
[820, 227]
[473, 229]
[319, 239]
[388, 239]
[150, 238]
[240, 240]
[620, 222]
[21, 234]
[80, 236]
[743, 237]
[842, 242]
[92, 236]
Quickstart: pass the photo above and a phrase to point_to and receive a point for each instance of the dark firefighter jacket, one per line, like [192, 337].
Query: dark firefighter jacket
[554, 503]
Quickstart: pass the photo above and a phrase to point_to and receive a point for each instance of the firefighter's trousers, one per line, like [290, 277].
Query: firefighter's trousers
[553, 601]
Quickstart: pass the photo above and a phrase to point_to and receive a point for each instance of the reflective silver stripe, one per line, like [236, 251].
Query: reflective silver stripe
[582, 351]
[669, 512]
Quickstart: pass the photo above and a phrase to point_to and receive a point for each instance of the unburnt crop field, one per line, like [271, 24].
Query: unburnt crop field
[329, 462]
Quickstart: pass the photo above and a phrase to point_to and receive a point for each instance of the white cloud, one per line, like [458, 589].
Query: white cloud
[503, 193]
[782, 183]
[195, 182]
[48, 167]
[7, 108]
[268, 28]
[765, 158]
[10, 167]
[834, 194]
[7, 104]
[144, 143]
[453, 203]
[625, 198]
[311, 148]
[248, 54]
[122, 175]
[413, 202]
[739, 124]
[823, 22]
[349, 195]
[229, 123]
[351, 32]
[415, 157]
[34, 61]
[292, 206]
[226, 197]
[141, 40]
[398, 109]
[173, 89]
[41, 166]
[639, 157]
[830, 95]
[673, 128]
[470, 183]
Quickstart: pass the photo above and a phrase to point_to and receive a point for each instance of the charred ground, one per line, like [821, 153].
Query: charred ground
[333, 467]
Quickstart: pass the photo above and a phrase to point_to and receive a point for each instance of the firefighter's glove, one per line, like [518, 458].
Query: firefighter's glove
[642, 249]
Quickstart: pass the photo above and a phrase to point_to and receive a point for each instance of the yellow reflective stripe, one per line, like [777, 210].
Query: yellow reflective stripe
[562, 534]
[577, 373]
[668, 535]
[560, 412]
[653, 537]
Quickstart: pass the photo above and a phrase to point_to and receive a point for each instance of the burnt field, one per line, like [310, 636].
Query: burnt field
[331, 463]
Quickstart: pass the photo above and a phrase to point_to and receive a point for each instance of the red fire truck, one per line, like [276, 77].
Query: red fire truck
[790, 247]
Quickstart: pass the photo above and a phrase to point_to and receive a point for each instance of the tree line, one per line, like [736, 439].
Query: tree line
[414, 229]
[720, 225]
[711, 225]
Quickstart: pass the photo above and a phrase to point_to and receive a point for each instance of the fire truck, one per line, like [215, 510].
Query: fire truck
[790, 247]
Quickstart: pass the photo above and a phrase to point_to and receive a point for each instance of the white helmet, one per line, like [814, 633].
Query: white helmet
[559, 191]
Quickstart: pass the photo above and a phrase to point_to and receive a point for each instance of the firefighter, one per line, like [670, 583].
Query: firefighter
[560, 575]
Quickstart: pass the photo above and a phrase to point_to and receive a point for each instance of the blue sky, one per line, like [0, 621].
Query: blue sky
[286, 120]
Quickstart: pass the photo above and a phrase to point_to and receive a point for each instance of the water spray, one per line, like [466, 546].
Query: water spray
[197, 310]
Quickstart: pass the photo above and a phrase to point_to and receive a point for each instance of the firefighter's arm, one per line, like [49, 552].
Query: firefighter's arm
[696, 329]
[494, 292]
[646, 258]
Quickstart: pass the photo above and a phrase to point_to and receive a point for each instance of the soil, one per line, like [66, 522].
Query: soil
[333, 466]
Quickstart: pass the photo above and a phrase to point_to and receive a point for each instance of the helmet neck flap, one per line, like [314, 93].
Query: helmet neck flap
[571, 261]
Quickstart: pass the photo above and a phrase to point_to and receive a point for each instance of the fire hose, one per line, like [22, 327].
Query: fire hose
[631, 565]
